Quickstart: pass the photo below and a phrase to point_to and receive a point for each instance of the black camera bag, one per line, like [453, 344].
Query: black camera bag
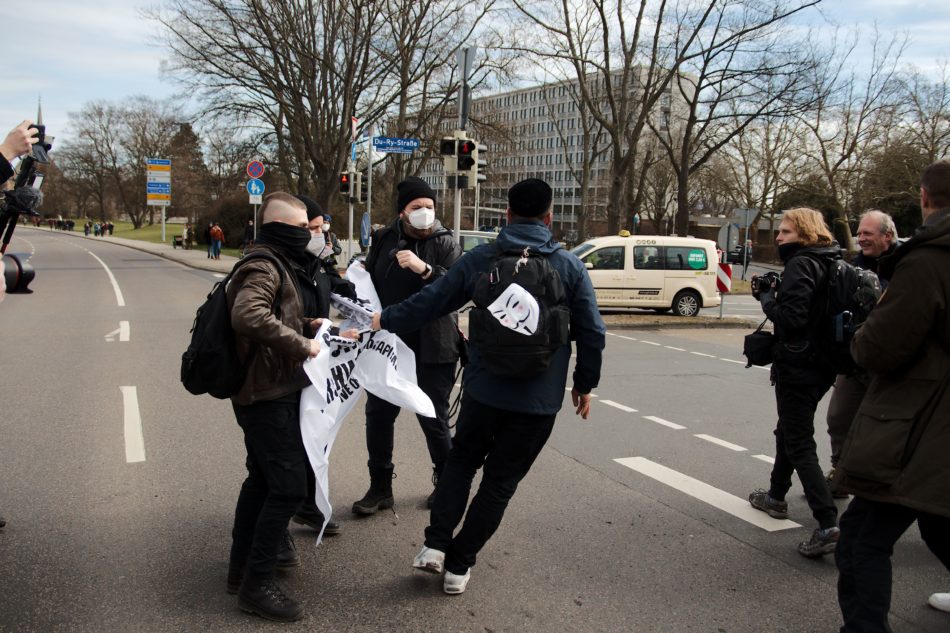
[757, 347]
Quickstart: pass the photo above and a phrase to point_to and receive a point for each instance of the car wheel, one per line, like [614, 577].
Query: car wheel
[686, 303]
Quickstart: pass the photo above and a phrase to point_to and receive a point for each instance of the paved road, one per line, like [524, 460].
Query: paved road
[112, 529]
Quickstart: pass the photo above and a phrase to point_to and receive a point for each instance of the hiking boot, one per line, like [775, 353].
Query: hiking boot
[380, 493]
[235, 577]
[761, 500]
[287, 557]
[832, 487]
[430, 560]
[267, 600]
[822, 541]
[312, 517]
[454, 584]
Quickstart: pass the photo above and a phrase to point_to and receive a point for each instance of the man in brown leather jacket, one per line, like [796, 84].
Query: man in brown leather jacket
[894, 460]
[274, 339]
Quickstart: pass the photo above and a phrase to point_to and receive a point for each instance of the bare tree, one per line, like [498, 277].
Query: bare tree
[927, 122]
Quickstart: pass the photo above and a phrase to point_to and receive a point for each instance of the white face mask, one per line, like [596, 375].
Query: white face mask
[326, 228]
[422, 218]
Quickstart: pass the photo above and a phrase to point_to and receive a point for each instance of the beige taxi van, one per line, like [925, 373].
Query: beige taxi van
[652, 271]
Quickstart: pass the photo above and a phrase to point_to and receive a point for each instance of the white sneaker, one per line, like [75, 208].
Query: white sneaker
[429, 560]
[455, 584]
[940, 601]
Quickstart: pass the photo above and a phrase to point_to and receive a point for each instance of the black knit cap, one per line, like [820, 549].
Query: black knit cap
[313, 209]
[410, 189]
[530, 198]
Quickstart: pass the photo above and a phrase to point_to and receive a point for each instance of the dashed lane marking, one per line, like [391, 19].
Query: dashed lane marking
[134, 441]
[651, 343]
[719, 442]
[702, 491]
[675, 349]
[666, 423]
[617, 405]
[704, 355]
[765, 458]
[729, 360]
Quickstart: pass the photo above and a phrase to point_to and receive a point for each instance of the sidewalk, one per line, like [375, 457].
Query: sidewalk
[195, 258]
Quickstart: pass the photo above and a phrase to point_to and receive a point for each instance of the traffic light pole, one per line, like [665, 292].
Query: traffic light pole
[369, 169]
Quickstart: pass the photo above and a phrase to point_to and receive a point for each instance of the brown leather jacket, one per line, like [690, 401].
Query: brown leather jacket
[282, 345]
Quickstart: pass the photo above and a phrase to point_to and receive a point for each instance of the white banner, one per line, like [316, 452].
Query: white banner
[379, 362]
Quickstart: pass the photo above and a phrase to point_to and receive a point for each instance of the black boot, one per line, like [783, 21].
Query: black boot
[287, 556]
[266, 599]
[380, 493]
[310, 515]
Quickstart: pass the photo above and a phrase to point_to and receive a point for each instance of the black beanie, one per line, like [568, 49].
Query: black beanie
[530, 198]
[410, 189]
[313, 209]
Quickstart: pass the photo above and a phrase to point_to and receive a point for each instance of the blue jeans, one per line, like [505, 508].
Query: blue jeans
[276, 483]
[215, 248]
[506, 443]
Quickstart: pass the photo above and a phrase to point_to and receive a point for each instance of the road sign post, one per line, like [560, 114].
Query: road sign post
[158, 187]
[723, 283]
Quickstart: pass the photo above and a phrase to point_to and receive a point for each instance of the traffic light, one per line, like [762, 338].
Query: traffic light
[477, 173]
[447, 151]
[345, 178]
[359, 192]
[466, 155]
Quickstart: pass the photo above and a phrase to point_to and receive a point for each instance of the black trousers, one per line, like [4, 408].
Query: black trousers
[506, 443]
[436, 381]
[869, 530]
[845, 399]
[796, 451]
[276, 482]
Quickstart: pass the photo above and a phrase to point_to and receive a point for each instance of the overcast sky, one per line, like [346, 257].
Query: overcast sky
[71, 52]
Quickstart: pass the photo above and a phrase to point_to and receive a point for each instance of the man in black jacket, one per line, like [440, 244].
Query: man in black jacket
[799, 374]
[411, 253]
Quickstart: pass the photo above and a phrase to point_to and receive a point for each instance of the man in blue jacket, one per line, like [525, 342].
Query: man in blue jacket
[504, 421]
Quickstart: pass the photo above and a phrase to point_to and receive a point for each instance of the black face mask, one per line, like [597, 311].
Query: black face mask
[291, 240]
[785, 251]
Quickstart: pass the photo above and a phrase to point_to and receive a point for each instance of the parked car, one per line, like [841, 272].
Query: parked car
[736, 255]
[652, 271]
[471, 239]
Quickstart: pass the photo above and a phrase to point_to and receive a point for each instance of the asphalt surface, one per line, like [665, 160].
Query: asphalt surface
[96, 542]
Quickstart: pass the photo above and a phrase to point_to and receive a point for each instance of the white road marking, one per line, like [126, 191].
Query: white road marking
[667, 423]
[219, 275]
[675, 349]
[765, 458]
[701, 354]
[702, 491]
[651, 343]
[617, 405]
[134, 442]
[115, 285]
[723, 443]
[629, 338]
[729, 360]
[123, 332]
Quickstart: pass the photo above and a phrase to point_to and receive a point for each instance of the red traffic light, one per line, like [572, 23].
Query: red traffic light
[344, 183]
[466, 148]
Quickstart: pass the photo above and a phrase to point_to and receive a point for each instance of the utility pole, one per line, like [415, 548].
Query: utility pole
[465, 58]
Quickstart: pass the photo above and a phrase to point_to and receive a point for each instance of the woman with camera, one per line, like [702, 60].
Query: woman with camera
[800, 376]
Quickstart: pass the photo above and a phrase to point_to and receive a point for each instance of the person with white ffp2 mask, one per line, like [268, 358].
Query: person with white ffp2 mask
[406, 256]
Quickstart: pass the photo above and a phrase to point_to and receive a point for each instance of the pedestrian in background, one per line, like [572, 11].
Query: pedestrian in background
[207, 238]
[217, 238]
[894, 460]
[800, 375]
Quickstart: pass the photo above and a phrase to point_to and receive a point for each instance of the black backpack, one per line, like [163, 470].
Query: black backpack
[850, 295]
[504, 351]
[211, 364]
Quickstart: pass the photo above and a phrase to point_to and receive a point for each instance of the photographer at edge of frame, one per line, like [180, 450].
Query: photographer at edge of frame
[19, 141]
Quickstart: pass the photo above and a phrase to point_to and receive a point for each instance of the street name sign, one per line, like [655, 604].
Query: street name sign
[393, 145]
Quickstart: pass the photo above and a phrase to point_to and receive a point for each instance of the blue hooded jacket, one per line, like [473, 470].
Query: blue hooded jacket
[542, 394]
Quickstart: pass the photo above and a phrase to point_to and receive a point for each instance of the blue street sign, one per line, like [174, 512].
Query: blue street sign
[395, 145]
[158, 161]
[159, 187]
[255, 187]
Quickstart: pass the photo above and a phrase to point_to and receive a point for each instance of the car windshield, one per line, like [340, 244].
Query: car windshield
[582, 250]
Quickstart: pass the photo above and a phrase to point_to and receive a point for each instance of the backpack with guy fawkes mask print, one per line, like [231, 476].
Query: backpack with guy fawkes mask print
[520, 318]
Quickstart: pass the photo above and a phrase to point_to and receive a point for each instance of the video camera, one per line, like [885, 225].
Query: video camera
[765, 283]
[23, 199]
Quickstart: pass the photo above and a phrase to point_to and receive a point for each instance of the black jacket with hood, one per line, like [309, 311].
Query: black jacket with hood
[797, 308]
[434, 342]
